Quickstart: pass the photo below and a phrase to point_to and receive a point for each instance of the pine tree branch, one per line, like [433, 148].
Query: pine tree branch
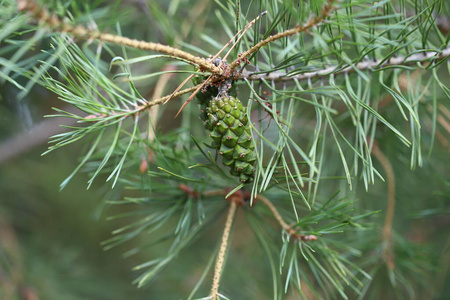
[147, 105]
[163, 99]
[195, 194]
[222, 65]
[429, 56]
[237, 39]
[288, 228]
[387, 228]
[53, 21]
[222, 251]
[312, 22]
[280, 76]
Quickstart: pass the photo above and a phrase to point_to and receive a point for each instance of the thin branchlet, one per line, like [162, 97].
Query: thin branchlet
[361, 66]
[54, 22]
[228, 73]
[138, 109]
[312, 22]
[288, 228]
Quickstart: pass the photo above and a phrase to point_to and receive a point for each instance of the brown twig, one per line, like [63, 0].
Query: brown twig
[246, 28]
[163, 99]
[288, 228]
[313, 21]
[200, 86]
[361, 66]
[53, 21]
[204, 83]
[140, 108]
[222, 65]
[240, 197]
[387, 228]
[222, 251]
[179, 88]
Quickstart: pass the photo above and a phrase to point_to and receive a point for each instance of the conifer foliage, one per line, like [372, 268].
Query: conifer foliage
[295, 116]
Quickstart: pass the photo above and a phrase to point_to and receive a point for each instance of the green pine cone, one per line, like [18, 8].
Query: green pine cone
[227, 120]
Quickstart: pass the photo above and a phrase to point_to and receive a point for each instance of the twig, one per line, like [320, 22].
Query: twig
[140, 108]
[246, 28]
[200, 86]
[204, 82]
[153, 114]
[313, 21]
[288, 228]
[179, 88]
[223, 248]
[221, 65]
[240, 197]
[279, 76]
[43, 16]
[387, 229]
[275, 212]
[39, 134]
[364, 65]
[163, 99]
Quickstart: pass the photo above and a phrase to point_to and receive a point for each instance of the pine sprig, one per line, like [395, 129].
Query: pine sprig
[323, 80]
[436, 56]
[312, 22]
[42, 15]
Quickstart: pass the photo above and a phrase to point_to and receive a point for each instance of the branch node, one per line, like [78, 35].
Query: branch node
[295, 233]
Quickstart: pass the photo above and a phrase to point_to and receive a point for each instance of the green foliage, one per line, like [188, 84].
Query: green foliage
[315, 104]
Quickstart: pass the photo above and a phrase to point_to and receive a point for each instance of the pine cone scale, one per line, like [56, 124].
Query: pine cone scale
[227, 120]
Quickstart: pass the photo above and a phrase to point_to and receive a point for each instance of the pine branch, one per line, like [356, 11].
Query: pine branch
[141, 108]
[429, 56]
[288, 228]
[292, 151]
[51, 20]
[313, 21]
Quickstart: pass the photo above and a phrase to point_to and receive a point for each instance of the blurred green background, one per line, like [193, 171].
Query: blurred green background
[50, 239]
